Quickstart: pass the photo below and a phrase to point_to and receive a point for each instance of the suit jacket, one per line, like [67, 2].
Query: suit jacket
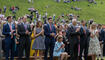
[100, 34]
[84, 37]
[21, 31]
[6, 32]
[0, 31]
[47, 32]
[72, 35]
[102, 37]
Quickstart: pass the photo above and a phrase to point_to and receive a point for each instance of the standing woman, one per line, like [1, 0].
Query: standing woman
[94, 46]
[32, 40]
[39, 40]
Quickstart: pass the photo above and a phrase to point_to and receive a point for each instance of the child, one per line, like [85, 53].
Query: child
[59, 49]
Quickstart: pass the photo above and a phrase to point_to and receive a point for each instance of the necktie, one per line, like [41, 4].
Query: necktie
[84, 30]
[10, 27]
[25, 26]
[11, 30]
[50, 28]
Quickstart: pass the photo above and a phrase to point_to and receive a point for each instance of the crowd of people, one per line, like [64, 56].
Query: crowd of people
[68, 1]
[51, 37]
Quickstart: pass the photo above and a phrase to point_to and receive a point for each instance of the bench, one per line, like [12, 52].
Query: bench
[55, 57]
[32, 58]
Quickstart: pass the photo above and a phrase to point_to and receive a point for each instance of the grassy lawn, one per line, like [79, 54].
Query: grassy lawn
[94, 11]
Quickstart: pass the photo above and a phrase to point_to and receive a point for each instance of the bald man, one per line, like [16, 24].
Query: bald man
[73, 36]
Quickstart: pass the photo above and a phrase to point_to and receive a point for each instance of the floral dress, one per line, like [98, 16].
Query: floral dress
[94, 46]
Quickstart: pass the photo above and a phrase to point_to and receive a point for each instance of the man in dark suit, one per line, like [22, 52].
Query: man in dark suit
[103, 39]
[24, 31]
[9, 32]
[50, 33]
[0, 40]
[84, 40]
[73, 37]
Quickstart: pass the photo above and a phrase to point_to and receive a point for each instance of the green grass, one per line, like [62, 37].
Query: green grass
[94, 11]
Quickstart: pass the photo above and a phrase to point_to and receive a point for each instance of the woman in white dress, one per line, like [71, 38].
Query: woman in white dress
[94, 46]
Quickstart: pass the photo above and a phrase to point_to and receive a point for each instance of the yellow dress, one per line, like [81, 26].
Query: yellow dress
[32, 41]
